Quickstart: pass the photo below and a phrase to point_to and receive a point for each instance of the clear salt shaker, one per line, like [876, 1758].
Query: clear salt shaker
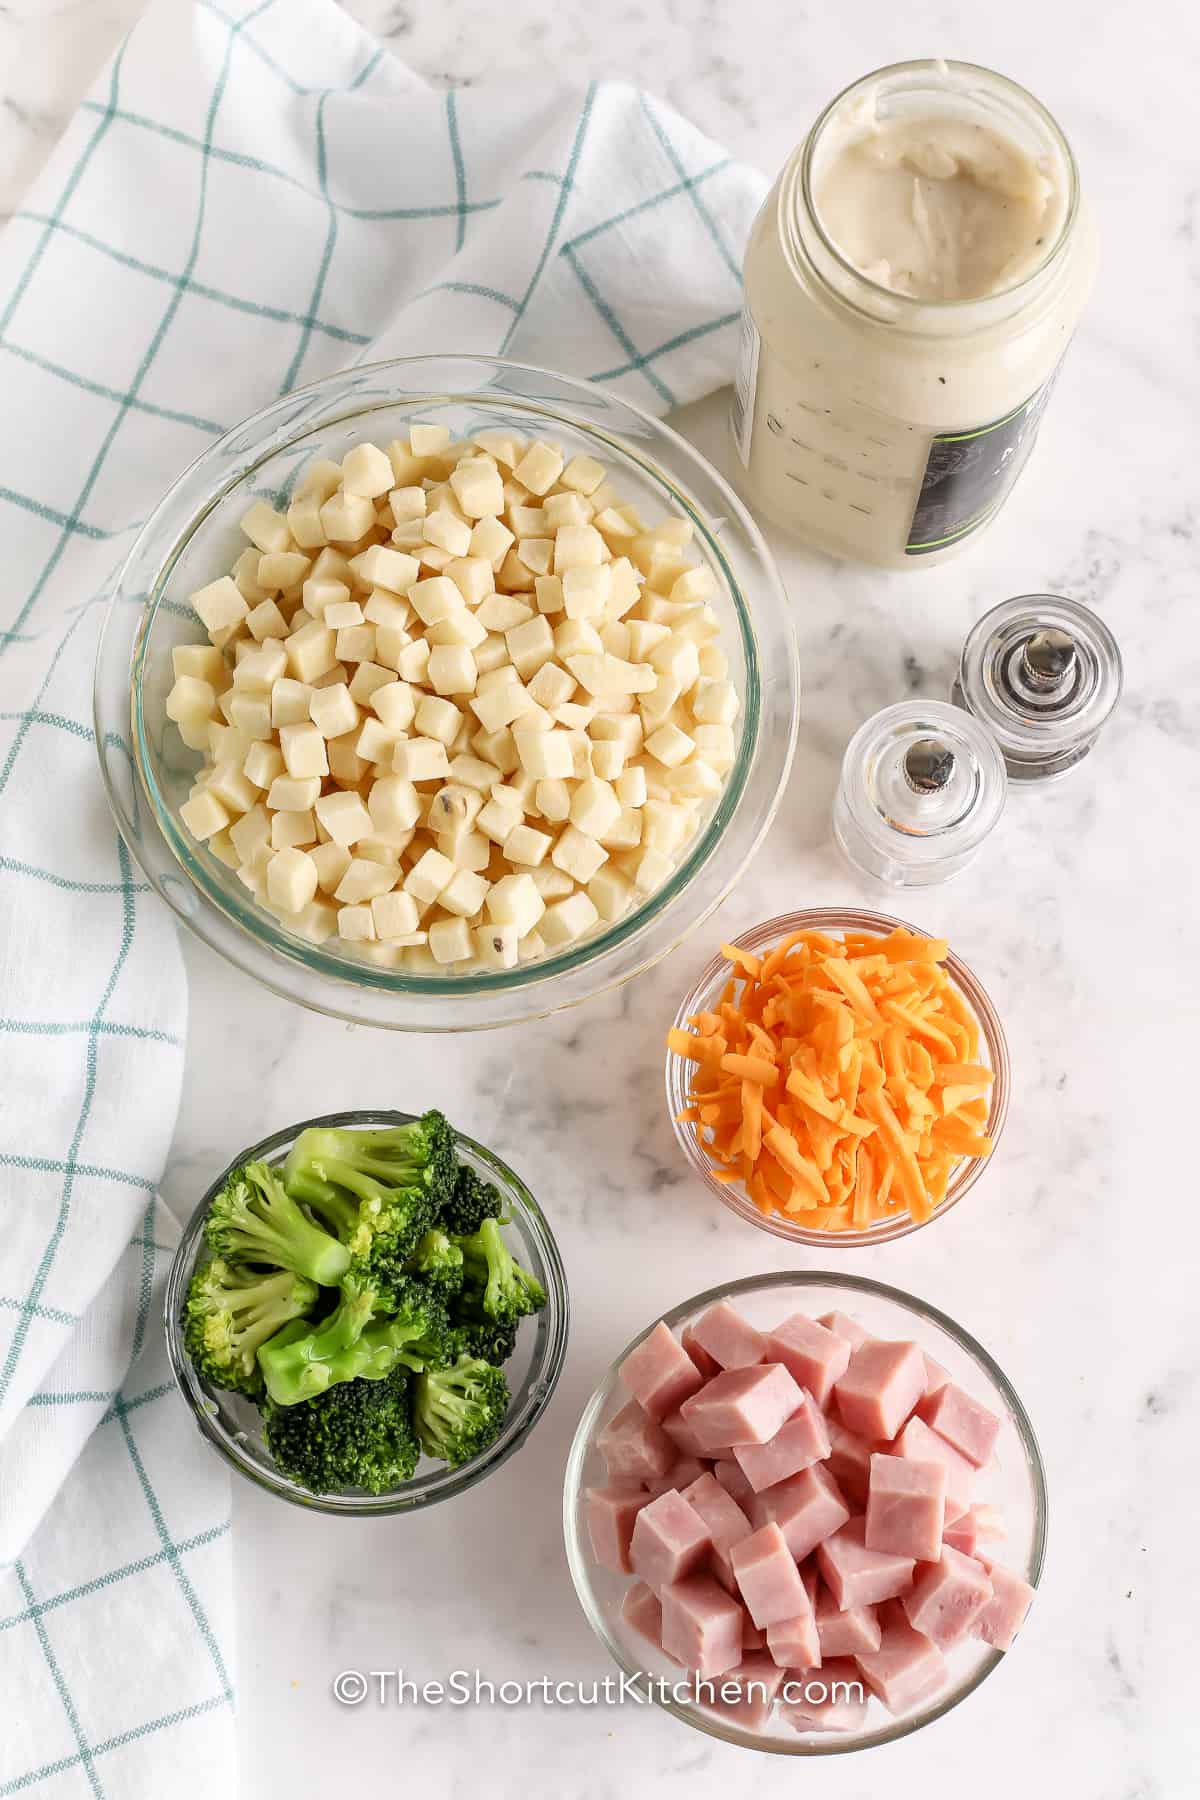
[922, 785]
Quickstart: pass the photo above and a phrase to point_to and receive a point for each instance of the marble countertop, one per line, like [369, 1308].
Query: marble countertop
[1073, 1260]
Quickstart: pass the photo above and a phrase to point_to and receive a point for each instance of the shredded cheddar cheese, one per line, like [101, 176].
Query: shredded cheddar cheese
[838, 1079]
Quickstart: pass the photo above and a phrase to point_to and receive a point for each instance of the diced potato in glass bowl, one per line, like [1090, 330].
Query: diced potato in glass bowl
[450, 679]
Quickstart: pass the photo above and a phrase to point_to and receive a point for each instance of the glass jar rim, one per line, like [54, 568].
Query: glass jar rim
[797, 199]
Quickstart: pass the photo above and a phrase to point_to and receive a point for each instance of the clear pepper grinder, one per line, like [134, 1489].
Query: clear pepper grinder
[922, 785]
[1043, 674]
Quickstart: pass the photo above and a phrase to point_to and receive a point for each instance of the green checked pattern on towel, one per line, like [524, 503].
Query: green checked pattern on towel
[253, 196]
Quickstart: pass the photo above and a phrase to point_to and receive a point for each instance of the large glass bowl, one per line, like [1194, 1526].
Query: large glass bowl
[834, 920]
[193, 536]
[1015, 1483]
[231, 1423]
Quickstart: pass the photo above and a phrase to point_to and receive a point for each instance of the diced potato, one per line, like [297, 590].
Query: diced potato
[266, 621]
[452, 669]
[365, 880]
[472, 576]
[321, 478]
[514, 900]
[594, 807]
[464, 894]
[652, 870]
[203, 814]
[568, 919]
[547, 755]
[437, 718]
[610, 893]
[231, 787]
[280, 569]
[429, 876]
[474, 772]
[551, 686]
[413, 662]
[496, 945]
[344, 817]
[420, 759]
[220, 604]
[583, 475]
[670, 746]
[345, 518]
[332, 861]
[395, 915]
[291, 879]
[498, 748]
[540, 467]
[446, 531]
[625, 832]
[394, 806]
[311, 652]
[251, 713]
[478, 487]
[450, 941]
[491, 540]
[357, 923]
[530, 645]
[322, 592]
[549, 592]
[367, 471]
[303, 749]
[455, 807]
[304, 522]
[608, 759]
[289, 829]
[525, 845]
[261, 666]
[578, 854]
[293, 793]
[499, 817]
[266, 529]
[191, 700]
[427, 440]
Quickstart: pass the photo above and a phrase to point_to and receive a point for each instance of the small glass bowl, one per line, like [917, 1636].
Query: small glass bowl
[1015, 1482]
[231, 1423]
[834, 920]
[193, 536]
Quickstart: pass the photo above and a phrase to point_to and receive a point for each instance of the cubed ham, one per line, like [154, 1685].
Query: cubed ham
[844, 1633]
[812, 1354]
[882, 1384]
[730, 1476]
[742, 1406]
[906, 1507]
[918, 1442]
[845, 1327]
[729, 1339]
[963, 1534]
[634, 1447]
[701, 1625]
[831, 1698]
[849, 1461]
[610, 1513]
[641, 1609]
[906, 1667]
[807, 1508]
[752, 1637]
[681, 1474]
[669, 1541]
[681, 1433]
[659, 1373]
[966, 1426]
[989, 1523]
[947, 1598]
[935, 1376]
[1004, 1614]
[724, 1519]
[707, 1365]
[767, 1577]
[794, 1643]
[800, 1441]
[757, 1679]
[856, 1576]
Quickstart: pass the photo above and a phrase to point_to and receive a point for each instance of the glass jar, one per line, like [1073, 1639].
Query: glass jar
[877, 425]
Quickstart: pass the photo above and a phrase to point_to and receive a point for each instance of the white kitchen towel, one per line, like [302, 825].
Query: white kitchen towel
[252, 197]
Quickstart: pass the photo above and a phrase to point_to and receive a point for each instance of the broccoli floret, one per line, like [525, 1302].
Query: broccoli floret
[377, 1191]
[371, 1330]
[471, 1202]
[483, 1338]
[437, 1262]
[459, 1410]
[254, 1219]
[495, 1286]
[357, 1435]
[230, 1311]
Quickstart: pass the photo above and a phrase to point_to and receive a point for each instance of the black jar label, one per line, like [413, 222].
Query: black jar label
[969, 473]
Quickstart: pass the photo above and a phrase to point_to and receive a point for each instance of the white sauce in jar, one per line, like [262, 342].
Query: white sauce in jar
[912, 282]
